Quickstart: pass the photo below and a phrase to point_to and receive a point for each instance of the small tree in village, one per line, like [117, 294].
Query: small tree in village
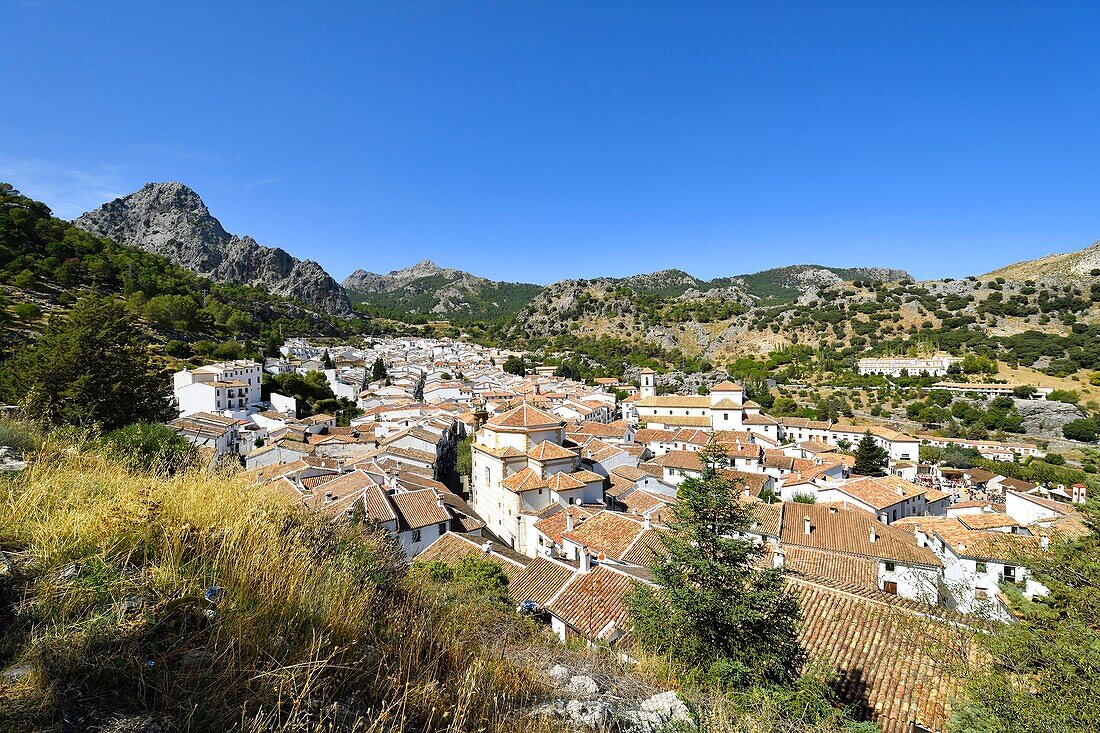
[871, 458]
[378, 370]
[716, 615]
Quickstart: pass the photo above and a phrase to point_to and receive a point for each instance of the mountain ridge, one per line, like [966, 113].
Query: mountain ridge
[171, 219]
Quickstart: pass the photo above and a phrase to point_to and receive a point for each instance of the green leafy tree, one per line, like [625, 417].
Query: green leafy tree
[90, 368]
[515, 365]
[716, 614]
[871, 458]
[1084, 429]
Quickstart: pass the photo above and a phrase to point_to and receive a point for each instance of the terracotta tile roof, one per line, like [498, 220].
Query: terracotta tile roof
[540, 581]
[525, 480]
[526, 416]
[632, 473]
[654, 435]
[593, 604]
[587, 477]
[553, 524]
[376, 505]
[547, 451]
[733, 436]
[727, 386]
[987, 520]
[1052, 504]
[848, 530]
[416, 509]
[453, 547]
[564, 482]
[804, 423]
[851, 569]
[607, 532]
[976, 544]
[888, 657]
[758, 420]
[643, 549]
[505, 452]
[642, 502]
[881, 492]
[768, 517]
[684, 460]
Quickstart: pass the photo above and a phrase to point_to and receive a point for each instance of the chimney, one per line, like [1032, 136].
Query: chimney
[340, 465]
[646, 523]
[901, 491]
[487, 547]
[568, 521]
[882, 518]
[872, 535]
[328, 497]
[1044, 542]
[832, 510]
[806, 526]
[585, 560]
[779, 558]
[439, 501]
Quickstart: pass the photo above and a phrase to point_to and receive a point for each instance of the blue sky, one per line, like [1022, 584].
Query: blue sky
[537, 141]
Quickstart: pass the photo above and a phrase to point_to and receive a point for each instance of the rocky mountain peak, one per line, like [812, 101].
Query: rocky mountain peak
[171, 220]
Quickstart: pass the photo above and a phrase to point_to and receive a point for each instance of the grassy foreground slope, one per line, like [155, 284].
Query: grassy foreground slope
[103, 616]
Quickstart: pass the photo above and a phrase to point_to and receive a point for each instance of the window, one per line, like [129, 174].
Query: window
[725, 416]
[889, 567]
[890, 587]
[442, 528]
[488, 475]
[980, 567]
[416, 535]
[1010, 573]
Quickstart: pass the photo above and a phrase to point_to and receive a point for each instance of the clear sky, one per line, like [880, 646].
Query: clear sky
[538, 141]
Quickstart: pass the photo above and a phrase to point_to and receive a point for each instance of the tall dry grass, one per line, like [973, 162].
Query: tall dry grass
[103, 602]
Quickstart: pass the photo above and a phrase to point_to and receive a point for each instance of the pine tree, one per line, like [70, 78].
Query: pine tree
[716, 614]
[871, 458]
[90, 368]
[378, 370]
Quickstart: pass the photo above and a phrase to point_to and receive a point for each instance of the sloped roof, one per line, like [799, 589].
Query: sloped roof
[451, 547]
[540, 581]
[526, 416]
[594, 604]
[843, 529]
[887, 655]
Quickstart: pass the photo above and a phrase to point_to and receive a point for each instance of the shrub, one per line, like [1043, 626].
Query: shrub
[148, 447]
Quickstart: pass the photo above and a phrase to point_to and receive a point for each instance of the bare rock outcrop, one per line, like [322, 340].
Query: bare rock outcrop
[169, 219]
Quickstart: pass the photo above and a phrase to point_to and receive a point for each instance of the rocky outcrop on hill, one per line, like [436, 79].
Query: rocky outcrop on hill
[1082, 265]
[171, 220]
[428, 289]
[1045, 418]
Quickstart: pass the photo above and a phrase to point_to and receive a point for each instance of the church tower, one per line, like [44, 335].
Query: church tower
[648, 383]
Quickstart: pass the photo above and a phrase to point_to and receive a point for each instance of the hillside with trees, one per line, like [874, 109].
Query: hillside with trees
[47, 264]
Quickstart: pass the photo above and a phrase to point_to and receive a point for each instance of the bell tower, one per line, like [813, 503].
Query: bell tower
[648, 383]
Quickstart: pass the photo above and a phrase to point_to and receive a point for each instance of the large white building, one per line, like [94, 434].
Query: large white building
[229, 388]
[521, 468]
[725, 408]
[895, 366]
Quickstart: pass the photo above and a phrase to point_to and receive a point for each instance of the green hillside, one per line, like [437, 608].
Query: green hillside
[46, 263]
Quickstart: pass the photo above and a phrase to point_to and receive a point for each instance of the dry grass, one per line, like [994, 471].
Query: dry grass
[103, 602]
